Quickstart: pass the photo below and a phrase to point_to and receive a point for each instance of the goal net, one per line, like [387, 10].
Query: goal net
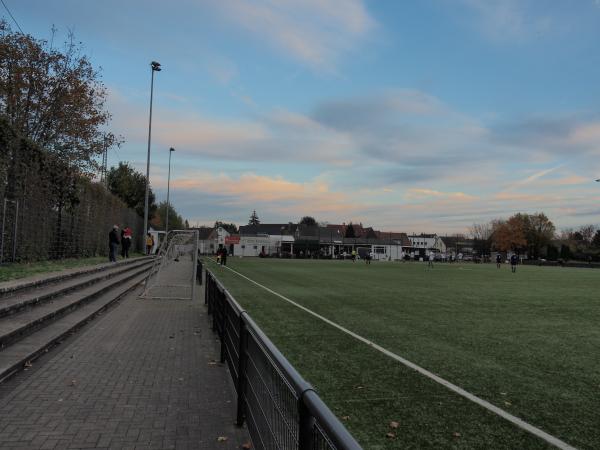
[173, 275]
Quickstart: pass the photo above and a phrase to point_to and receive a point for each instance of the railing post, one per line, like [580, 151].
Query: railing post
[222, 330]
[242, 379]
[206, 289]
[215, 307]
[306, 425]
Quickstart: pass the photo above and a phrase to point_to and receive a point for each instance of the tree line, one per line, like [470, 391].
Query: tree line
[53, 97]
[536, 236]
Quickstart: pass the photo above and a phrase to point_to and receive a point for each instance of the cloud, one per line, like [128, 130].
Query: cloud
[392, 159]
[510, 20]
[420, 194]
[551, 135]
[273, 194]
[314, 32]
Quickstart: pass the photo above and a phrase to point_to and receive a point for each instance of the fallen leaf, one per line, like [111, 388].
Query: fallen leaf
[390, 435]
[456, 434]
[28, 364]
[247, 445]
[502, 393]
[394, 424]
[508, 403]
[345, 417]
[358, 387]
[222, 439]
[73, 382]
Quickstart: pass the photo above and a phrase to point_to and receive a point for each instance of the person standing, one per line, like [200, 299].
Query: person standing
[498, 260]
[353, 255]
[224, 256]
[125, 242]
[431, 258]
[113, 243]
[149, 244]
[514, 260]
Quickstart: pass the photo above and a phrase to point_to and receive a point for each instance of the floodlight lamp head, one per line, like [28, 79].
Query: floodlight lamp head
[598, 180]
[171, 149]
[155, 66]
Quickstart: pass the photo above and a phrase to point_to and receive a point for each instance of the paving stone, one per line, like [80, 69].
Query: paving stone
[123, 382]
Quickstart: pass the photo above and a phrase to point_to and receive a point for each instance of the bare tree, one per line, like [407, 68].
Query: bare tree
[55, 98]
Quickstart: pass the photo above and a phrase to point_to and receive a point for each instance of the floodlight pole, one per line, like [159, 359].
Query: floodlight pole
[155, 67]
[171, 150]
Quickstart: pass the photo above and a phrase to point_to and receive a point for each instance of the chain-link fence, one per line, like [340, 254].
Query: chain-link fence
[50, 212]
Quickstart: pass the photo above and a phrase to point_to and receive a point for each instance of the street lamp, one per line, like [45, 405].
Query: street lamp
[155, 67]
[171, 150]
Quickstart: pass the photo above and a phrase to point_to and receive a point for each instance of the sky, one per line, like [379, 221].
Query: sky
[421, 116]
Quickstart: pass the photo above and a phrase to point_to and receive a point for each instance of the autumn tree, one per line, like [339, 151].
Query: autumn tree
[539, 231]
[176, 222]
[254, 220]
[509, 235]
[130, 186]
[55, 98]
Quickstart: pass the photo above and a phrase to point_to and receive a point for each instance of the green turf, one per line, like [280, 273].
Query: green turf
[527, 342]
[13, 271]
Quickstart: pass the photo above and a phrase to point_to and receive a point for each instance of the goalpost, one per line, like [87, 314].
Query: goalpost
[173, 274]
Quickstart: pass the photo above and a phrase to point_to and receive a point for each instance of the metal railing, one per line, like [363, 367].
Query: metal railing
[281, 410]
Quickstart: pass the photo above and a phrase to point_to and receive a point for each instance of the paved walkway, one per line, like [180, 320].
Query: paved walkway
[142, 376]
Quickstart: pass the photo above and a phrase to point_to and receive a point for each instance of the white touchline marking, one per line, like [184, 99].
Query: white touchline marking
[460, 391]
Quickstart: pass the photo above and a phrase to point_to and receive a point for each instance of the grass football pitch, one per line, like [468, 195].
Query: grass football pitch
[528, 343]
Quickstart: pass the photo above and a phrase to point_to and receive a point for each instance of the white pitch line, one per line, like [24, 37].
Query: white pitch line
[460, 391]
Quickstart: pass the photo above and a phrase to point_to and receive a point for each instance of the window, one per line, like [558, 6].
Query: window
[243, 246]
[255, 247]
[380, 250]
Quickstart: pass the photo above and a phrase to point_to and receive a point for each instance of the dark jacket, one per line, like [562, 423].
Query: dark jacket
[113, 237]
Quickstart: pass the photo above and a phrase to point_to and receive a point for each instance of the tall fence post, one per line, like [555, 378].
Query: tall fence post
[15, 231]
[307, 423]
[206, 289]
[223, 325]
[2, 237]
[242, 379]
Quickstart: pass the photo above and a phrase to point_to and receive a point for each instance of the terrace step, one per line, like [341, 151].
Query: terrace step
[17, 287]
[36, 295]
[21, 353]
[27, 321]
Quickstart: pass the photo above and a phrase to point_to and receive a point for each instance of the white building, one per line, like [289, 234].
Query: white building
[427, 242]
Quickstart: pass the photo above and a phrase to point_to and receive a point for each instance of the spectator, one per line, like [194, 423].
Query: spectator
[113, 243]
[224, 256]
[149, 244]
[125, 242]
[498, 260]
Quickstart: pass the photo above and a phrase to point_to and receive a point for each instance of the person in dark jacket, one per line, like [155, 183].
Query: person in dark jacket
[223, 256]
[125, 242]
[514, 260]
[113, 243]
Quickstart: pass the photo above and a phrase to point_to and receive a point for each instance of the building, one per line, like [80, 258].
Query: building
[423, 244]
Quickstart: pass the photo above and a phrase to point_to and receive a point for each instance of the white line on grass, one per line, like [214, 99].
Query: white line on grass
[460, 391]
